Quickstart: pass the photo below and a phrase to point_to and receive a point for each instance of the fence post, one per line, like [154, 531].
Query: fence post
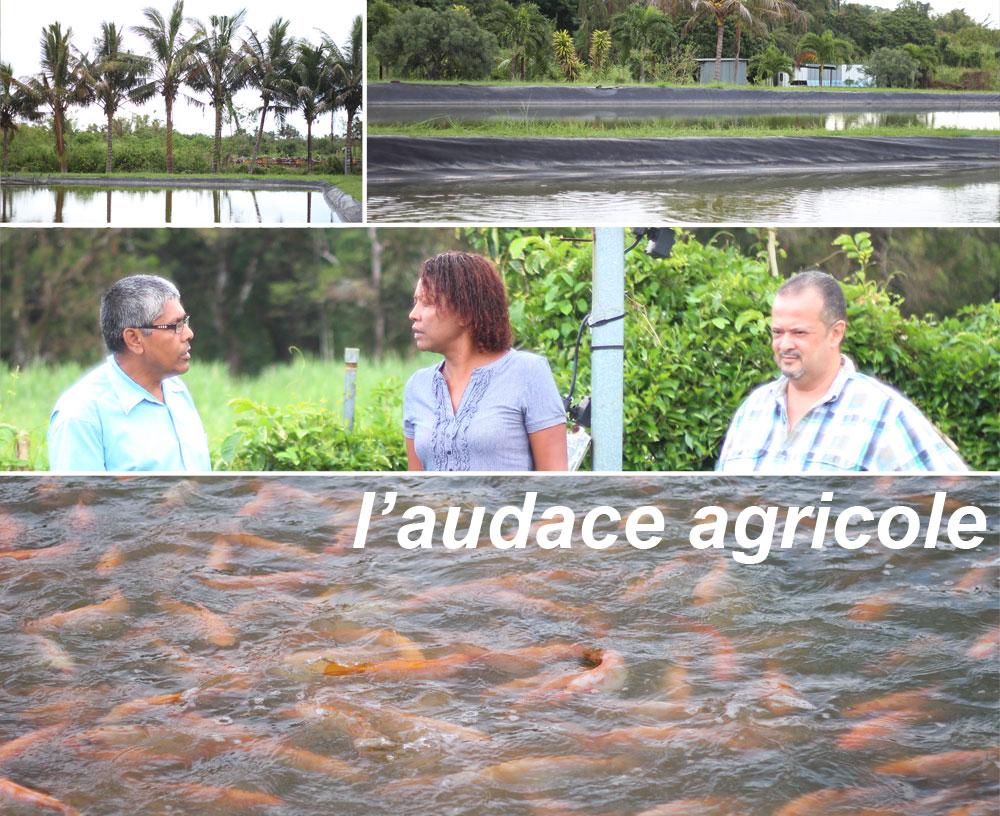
[350, 385]
[23, 448]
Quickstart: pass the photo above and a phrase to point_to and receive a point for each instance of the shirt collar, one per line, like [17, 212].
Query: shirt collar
[779, 388]
[129, 392]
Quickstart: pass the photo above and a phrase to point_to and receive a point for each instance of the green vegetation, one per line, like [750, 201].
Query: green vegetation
[215, 59]
[622, 41]
[696, 328]
[652, 128]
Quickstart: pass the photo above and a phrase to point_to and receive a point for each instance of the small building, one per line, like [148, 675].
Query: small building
[728, 73]
[834, 76]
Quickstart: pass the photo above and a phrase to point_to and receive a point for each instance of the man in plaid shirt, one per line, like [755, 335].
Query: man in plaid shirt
[822, 414]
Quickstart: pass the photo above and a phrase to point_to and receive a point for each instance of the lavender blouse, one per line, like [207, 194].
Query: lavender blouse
[503, 403]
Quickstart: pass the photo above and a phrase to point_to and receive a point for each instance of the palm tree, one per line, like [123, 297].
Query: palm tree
[220, 69]
[639, 28]
[172, 60]
[312, 80]
[755, 12]
[926, 58]
[824, 49]
[115, 75]
[17, 101]
[60, 83]
[525, 29]
[269, 70]
[348, 72]
[770, 63]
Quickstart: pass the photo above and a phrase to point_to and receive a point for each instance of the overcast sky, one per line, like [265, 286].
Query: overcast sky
[22, 21]
[982, 11]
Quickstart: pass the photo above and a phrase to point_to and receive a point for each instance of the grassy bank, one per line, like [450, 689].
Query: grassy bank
[617, 82]
[509, 128]
[27, 396]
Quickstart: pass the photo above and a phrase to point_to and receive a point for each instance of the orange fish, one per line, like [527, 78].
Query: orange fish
[111, 558]
[16, 746]
[644, 586]
[66, 548]
[248, 540]
[892, 702]
[19, 794]
[10, 530]
[271, 580]
[881, 727]
[218, 556]
[711, 586]
[212, 625]
[985, 646]
[876, 606]
[936, 766]
[115, 605]
[402, 669]
[226, 797]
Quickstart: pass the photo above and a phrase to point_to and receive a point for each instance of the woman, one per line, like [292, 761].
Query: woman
[486, 406]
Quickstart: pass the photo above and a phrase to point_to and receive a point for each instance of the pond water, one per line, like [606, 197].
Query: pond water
[878, 198]
[217, 645]
[190, 207]
[680, 119]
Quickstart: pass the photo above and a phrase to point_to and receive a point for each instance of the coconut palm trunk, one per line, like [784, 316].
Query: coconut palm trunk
[168, 137]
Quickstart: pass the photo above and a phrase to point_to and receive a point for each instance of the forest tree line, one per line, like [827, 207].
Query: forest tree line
[215, 59]
[660, 40]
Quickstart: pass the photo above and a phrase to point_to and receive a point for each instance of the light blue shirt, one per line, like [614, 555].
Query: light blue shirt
[860, 424]
[504, 402]
[108, 422]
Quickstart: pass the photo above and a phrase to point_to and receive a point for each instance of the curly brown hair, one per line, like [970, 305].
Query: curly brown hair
[470, 286]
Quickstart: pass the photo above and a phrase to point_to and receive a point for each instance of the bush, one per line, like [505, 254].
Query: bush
[891, 68]
[697, 342]
[311, 437]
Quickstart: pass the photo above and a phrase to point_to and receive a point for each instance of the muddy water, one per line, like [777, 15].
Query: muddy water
[392, 680]
[175, 206]
[877, 198]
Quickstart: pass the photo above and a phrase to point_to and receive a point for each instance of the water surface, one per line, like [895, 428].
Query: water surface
[318, 692]
[57, 204]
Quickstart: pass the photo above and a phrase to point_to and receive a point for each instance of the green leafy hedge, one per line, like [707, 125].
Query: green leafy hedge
[697, 341]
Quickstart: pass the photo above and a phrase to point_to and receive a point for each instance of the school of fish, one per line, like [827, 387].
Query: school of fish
[216, 646]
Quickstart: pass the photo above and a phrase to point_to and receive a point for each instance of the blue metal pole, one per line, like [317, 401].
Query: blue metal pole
[608, 347]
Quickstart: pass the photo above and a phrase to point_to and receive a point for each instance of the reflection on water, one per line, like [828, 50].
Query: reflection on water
[680, 118]
[876, 199]
[216, 645]
[38, 204]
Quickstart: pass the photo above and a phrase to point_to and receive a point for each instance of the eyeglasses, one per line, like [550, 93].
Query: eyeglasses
[176, 328]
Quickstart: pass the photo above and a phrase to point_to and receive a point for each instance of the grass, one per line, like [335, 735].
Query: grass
[511, 128]
[349, 184]
[28, 395]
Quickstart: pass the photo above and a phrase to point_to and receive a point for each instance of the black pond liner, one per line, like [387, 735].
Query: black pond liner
[395, 159]
[393, 102]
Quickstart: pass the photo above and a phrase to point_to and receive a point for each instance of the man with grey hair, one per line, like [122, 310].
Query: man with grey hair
[822, 414]
[133, 412]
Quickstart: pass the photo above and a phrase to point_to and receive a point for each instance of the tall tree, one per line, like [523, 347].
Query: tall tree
[525, 30]
[825, 48]
[60, 83]
[347, 65]
[17, 101]
[220, 69]
[269, 70]
[115, 75]
[755, 13]
[312, 80]
[172, 61]
[639, 29]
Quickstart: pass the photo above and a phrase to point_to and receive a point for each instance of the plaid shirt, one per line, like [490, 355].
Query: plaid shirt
[860, 424]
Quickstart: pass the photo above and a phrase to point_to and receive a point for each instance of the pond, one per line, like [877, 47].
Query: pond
[218, 644]
[886, 198]
[189, 207]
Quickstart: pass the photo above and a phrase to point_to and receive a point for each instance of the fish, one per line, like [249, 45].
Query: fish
[724, 667]
[247, 540]
[937, 766]
[139, 705]
[884, 726]
[270, 580]
[711, 586]
[21, 795]
[13, 747]
[227, 797]
[212, 625]
[876, 606]
[984, 575]
[112, 557]
[401, 669]
[66, 548]
[11, 530]
[778, 694]
[644, 586]
[81, 517]
[55, 655]
[218, 556]
[913, 698]
[986, 645]
[696, 807]
[83, 615]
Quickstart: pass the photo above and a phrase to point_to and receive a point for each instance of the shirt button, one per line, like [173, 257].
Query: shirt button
[448, 452]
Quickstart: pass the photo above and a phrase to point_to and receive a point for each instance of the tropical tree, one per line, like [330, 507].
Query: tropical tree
[600, 47]
[173, 57]
[640, 29]
[269, 69]
[220, 69]
[311, 75]
[348, 74]
[718, 10]
[60, 83]
[891, 68]
[566, 57]
[525, 30]
[769, 64]
[755, 13]
[380, 15]
[926, 58]
[17, 101]
[824, 48]
[115, 75]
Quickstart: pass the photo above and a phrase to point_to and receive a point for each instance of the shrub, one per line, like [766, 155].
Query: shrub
[891, 68]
